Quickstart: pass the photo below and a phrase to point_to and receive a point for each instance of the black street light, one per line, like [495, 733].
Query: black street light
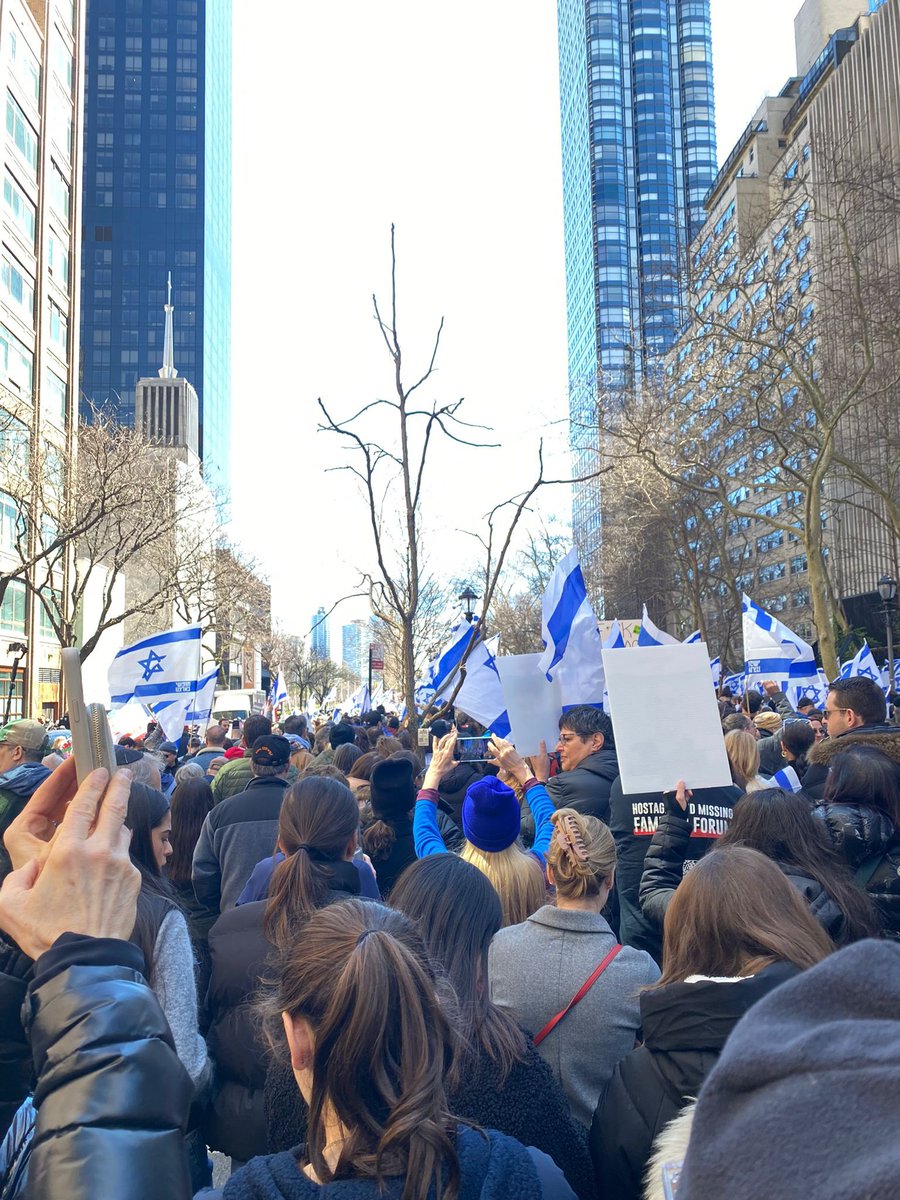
[468, 598]
[887, 590]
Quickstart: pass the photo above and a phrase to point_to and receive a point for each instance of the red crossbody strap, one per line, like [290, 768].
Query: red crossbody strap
[579, 995]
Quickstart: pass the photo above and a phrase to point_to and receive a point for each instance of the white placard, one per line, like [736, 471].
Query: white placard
[665, 718]
[533, 702]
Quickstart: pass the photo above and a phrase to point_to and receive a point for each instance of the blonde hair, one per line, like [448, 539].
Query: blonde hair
[742, 749]
[582, 854]
[517, 879]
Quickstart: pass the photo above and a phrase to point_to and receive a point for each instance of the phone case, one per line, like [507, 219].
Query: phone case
[92, 743]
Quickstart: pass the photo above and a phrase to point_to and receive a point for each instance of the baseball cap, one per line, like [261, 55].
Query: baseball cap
[168, 748]
[271, 750]
[30, 735]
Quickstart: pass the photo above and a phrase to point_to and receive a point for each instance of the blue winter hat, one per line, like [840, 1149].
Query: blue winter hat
[491, 817]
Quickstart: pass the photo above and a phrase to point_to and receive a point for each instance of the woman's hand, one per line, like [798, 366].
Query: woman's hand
[442, 759]
[682, 795]
[31, 834]
[540, 763]
[505, 755]
[86, 883]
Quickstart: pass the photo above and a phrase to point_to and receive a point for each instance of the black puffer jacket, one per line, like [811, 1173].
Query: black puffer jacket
[112, 1097]
[685, 1027]
[664, 870]
[587, 787]
[239, 962]
[870, 845]
[15, 1056]
[528, 1105]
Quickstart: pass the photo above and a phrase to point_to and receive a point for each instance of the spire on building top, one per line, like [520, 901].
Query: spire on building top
[167, 370]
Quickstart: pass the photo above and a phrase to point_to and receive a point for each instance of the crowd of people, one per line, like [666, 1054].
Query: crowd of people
[358, 967]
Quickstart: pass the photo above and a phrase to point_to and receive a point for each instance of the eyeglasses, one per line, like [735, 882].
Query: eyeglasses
[829, 712]
[565, 738]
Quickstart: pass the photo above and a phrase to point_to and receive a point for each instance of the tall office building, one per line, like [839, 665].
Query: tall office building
[639, 155]
[319, 641]
[157, 198]
[354, 645]
[40, 222]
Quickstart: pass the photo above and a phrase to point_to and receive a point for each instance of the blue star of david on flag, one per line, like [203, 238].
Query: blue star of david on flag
[152, 664]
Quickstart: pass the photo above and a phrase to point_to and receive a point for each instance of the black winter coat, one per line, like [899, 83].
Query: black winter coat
[587, 787]
[633, 821]
[867, 838]
[529, 1106]
[15, 1055]
[883, 737]
[239, 962]
[455, 784]
[112, 1097]
[664, 870]
[685, 1027]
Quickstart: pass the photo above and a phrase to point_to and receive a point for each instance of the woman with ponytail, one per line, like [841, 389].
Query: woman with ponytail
[318, 833]
[537, 968]
[370, 1047]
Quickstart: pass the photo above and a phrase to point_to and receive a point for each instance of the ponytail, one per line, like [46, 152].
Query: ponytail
[362, 980]
[319, 817]
[378, 841]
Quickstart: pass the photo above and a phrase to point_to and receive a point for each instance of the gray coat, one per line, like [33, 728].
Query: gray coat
[537, 967]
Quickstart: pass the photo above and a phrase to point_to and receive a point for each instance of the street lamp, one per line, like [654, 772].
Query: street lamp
[887, 590]
[468, 598]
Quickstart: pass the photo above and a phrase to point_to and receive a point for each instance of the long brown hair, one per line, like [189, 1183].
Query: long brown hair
[361, 978]
[319, 817]
[734, 914]
[458, 911]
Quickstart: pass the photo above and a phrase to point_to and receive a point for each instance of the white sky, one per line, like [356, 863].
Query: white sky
[444, 120]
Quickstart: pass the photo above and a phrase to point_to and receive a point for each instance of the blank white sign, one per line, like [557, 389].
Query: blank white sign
[665, 718]
[533, 702]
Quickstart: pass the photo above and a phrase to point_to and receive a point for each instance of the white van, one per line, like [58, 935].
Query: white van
[238, 704]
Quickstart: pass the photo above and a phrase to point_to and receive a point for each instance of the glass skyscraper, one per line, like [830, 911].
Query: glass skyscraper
[157, 198]
[639, 155]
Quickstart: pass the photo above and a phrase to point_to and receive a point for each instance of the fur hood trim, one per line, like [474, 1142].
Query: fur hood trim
[882, 737]
[670, 1147]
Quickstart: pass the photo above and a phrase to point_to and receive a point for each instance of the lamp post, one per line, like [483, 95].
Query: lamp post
[19, 649]
[887, 590]
[468, 598]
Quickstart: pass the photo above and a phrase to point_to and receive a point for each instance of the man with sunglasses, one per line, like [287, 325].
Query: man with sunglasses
[855, 714]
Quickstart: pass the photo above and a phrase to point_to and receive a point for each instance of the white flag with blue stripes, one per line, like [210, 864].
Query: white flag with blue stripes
[735, 683]
[886, 682]
[279, 690]
[572, 645]
[441, 671]
[696, 636]
[481, 695]
[650, 635]
[863, 666]
[163, 672]
[772, 651]
[715, 666]
[200, 711]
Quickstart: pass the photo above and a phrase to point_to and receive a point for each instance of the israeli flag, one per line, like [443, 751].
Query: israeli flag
[772, 651]
[200, 711]
[715, 666]
[444, 666]
[736, 683]
[886, 677]
[359, 701]
[572, 642]
[481, 695]
[862, 666]
[615, 639]
[788, 779]
[696, 636]
[279, 690]
[158, 671]
[817, 691]
[649, 635]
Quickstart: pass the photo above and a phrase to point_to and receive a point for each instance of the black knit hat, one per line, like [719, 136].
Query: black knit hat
[393, 792]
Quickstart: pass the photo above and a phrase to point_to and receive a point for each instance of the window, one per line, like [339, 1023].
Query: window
[58, 258]
[59, 329]
[52, 597]
[26, 67]
[771, 572]
[62, 62]
[16, 365]
[54, 399]
[18, 287]
[60, 192]
[20, 131]
[12, 611]
[800, 598]
[798, 564]
[20, 208]
[12, 523]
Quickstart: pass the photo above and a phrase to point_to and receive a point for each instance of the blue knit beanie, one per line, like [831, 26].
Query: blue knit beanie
[490, 815]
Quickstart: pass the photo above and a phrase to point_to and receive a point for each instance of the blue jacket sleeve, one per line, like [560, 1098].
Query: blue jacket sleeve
[426, 835]
[542, 808]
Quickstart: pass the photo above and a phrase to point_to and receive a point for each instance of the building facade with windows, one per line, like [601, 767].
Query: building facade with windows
[769, 351]
[639, 155]
[41, 79]
[319, 641]
[157, 199]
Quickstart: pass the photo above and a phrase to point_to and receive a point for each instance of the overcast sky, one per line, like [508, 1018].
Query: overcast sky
[444, 120]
